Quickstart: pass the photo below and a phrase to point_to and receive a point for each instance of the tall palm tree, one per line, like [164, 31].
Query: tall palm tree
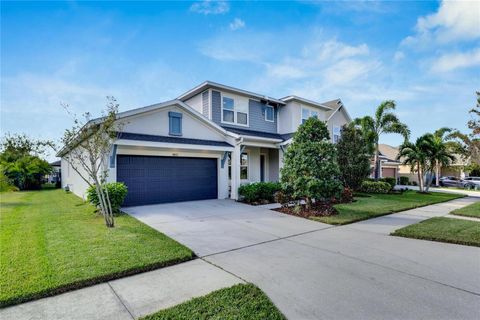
[385, 121]
[416, 155]
[441, 153]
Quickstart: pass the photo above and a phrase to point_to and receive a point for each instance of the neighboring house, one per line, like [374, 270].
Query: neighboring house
[455, 169]
[390, 166]
[55, 176]
[205, 143]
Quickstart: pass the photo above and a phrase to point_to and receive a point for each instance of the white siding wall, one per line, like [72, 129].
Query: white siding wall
[195, 102]
[338, 119]
[71, 178]
[157, 122]
[291, 116]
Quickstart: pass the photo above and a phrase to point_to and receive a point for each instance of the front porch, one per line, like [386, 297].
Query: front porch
[252, 161]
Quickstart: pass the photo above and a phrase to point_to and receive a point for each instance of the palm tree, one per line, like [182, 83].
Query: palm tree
[416, 155]
[441, 153]
[385, 121]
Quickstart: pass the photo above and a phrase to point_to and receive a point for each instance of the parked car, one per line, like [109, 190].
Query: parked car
[470, 183]
[449, 181]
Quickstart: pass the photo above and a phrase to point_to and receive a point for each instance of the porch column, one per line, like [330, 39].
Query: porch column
[235, 182]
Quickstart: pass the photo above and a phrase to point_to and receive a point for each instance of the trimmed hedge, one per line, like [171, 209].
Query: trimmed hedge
[404, 181]
[117, 191]
[375, 187]
[258, 191]
[391, 181]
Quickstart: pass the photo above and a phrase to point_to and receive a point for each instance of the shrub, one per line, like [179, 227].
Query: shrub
[254, 192]
[391, 181]
[414, 183]
[5, 183]
[353, 157]
[117, 192]
[404, 181]
[375, 187]
[347, 195]
[310, 167]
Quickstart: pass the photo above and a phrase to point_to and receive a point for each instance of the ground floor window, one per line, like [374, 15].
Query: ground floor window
[243, 166]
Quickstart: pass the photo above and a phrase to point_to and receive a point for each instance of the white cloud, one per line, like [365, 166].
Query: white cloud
[331, 60]
[454, 21]
[207, 7]
[236, 24]
[399, 55]
[453, 61]
[251, 47]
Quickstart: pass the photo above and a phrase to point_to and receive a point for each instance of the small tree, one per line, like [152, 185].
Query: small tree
[21, 162]
[385, 121]
[353, 157]
[310, 168]
[416, 155]
[89, 144]
[441, 153]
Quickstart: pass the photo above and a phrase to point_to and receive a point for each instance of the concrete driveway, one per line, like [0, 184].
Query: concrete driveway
[315, 271]
[214, 226]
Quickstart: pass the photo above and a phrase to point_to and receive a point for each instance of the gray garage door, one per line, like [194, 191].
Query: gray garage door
[167, 179]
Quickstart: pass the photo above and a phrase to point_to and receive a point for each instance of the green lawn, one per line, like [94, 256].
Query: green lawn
[242, 301]
[382, 204]
[472, 210]
[444, 230]
[51, 242]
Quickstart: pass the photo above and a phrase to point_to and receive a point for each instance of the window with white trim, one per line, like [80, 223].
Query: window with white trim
[308, 113]
[269, 113]
[244, 166]
[235, 112]
[336, 133]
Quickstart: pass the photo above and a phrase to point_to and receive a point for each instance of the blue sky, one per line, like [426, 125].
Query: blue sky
[425, 55]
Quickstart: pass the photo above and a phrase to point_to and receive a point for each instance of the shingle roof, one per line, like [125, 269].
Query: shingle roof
[253, 133]
[167, 139]
[57, 163]
[334, 105]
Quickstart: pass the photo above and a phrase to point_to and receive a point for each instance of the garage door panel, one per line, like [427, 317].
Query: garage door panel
[167, 179]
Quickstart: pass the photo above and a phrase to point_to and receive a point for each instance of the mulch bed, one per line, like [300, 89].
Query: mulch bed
[317, 210]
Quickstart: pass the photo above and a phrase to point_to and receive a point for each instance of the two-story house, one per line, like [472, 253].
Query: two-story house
[205, 143]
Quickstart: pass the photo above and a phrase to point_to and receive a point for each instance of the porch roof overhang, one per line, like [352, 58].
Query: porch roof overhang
[145, 140]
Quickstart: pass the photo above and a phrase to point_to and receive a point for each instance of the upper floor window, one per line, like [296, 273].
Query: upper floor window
[233, 112]
[269, 113]
[307, 113]
[336, 134]
[174, 123]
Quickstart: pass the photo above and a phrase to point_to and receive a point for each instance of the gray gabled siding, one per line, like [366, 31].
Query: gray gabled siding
[216, 107]
[205, 103]
[256, 117]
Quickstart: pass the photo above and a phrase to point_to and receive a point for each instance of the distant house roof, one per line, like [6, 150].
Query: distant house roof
[168, 139]
[57, 163]
[210, 84]
[252, 133]
[388, 151]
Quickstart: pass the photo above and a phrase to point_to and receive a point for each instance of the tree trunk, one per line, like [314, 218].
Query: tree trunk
[420, 177]
[437, 174]
[308, 203]
[376, 168]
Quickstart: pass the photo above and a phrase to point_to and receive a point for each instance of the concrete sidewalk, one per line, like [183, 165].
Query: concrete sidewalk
[389, 223]
[128, 298]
